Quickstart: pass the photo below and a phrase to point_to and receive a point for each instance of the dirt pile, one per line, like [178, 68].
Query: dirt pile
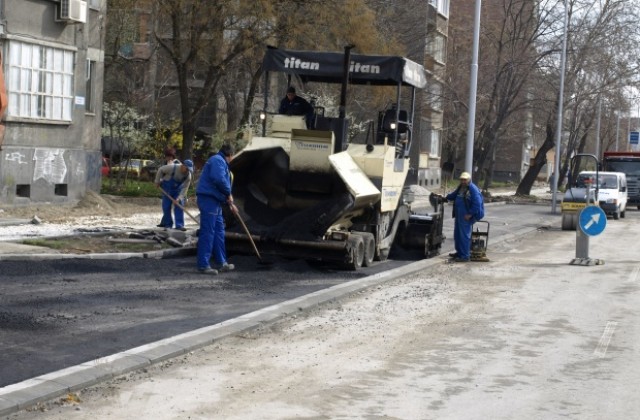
[92, 204]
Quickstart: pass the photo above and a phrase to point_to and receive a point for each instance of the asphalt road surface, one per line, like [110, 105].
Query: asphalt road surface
[56, 314]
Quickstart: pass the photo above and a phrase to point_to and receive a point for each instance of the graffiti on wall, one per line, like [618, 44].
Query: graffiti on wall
[16, 157]
[50, 165]
[79, 172]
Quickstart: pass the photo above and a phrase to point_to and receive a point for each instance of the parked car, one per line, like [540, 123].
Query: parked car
[150, 170]
[105, 167]
[132, 166]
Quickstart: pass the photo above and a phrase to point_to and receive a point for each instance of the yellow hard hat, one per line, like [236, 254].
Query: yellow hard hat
[465, 175]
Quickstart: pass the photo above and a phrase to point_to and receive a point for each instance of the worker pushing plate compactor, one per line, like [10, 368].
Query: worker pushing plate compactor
[305, 191]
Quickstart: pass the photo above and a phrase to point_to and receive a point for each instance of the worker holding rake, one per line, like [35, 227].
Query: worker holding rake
[174, 180]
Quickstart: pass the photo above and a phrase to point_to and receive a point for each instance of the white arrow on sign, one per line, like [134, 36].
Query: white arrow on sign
[595, 218]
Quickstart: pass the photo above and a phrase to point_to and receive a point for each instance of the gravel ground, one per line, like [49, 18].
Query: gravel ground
[94, 213]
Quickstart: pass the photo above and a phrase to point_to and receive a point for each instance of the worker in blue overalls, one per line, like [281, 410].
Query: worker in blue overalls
[213, 192]
[174, 180]
[468, 208]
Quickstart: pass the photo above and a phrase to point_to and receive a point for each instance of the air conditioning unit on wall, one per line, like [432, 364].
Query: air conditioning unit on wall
[72, 11]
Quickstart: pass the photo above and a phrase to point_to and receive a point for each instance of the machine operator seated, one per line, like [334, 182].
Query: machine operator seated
[293, 104]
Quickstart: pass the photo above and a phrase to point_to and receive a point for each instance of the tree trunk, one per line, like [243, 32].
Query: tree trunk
[232, 109]
[248, 104]
[524, 188]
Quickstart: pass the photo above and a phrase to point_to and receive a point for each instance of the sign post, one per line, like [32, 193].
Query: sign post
[591, 222]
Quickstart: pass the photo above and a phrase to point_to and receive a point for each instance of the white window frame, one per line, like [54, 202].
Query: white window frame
[434, 143]
[442, 6]
[435, 95]
[91, 88]
[437, 46]
[430, 139]
[40, 81]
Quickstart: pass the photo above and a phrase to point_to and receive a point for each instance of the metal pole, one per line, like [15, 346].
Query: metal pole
[563, 63]
[617, 130]
[473, 90]
[635, 148]
[626, 147]
[266, 100]
[345, 80]
[342, 113]
[598, 128]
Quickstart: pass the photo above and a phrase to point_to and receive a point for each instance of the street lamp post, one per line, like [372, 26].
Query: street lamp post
[473, 90]
[599, 113]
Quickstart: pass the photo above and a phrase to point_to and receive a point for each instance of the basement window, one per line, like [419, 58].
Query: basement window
[23, 190]
[61, 189]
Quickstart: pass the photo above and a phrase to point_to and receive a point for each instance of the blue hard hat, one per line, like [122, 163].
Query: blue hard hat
[189, 164]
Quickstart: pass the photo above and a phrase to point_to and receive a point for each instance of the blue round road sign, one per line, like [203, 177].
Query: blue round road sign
[593, 220]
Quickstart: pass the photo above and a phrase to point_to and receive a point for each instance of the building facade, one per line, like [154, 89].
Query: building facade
[431, 124]
[53, 63]
[517, 139]
[422, 28]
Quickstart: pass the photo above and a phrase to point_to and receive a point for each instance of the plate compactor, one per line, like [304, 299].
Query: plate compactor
[479, 242]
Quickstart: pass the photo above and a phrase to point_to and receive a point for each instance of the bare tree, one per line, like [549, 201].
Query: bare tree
[601, 57]
[201, 40]
[520, 47]
[323, 25]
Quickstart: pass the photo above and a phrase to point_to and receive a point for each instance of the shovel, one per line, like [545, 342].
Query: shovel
[179, 205]
[246, 230]
[253, 244]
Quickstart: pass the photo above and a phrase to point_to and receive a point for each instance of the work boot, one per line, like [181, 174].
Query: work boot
[458, 259]
[226, 267]
[453, 254]
[208, 270]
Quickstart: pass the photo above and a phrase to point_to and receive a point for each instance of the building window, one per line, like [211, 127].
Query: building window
[90, 92]
[434, 146]
[435, 95]
[432, 143]
[94, 4]
[442, 6]
[429, 139]
[40, 81]
[437, 46]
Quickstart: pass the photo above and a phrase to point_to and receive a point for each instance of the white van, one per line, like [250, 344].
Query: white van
[612, 191]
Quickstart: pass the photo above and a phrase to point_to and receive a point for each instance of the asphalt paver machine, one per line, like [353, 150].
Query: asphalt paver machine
[305, 190]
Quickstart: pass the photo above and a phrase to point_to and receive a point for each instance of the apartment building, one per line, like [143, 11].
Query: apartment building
[52, 58]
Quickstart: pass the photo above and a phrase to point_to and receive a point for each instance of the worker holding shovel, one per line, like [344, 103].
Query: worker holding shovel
[213, 192]
[174, 180]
